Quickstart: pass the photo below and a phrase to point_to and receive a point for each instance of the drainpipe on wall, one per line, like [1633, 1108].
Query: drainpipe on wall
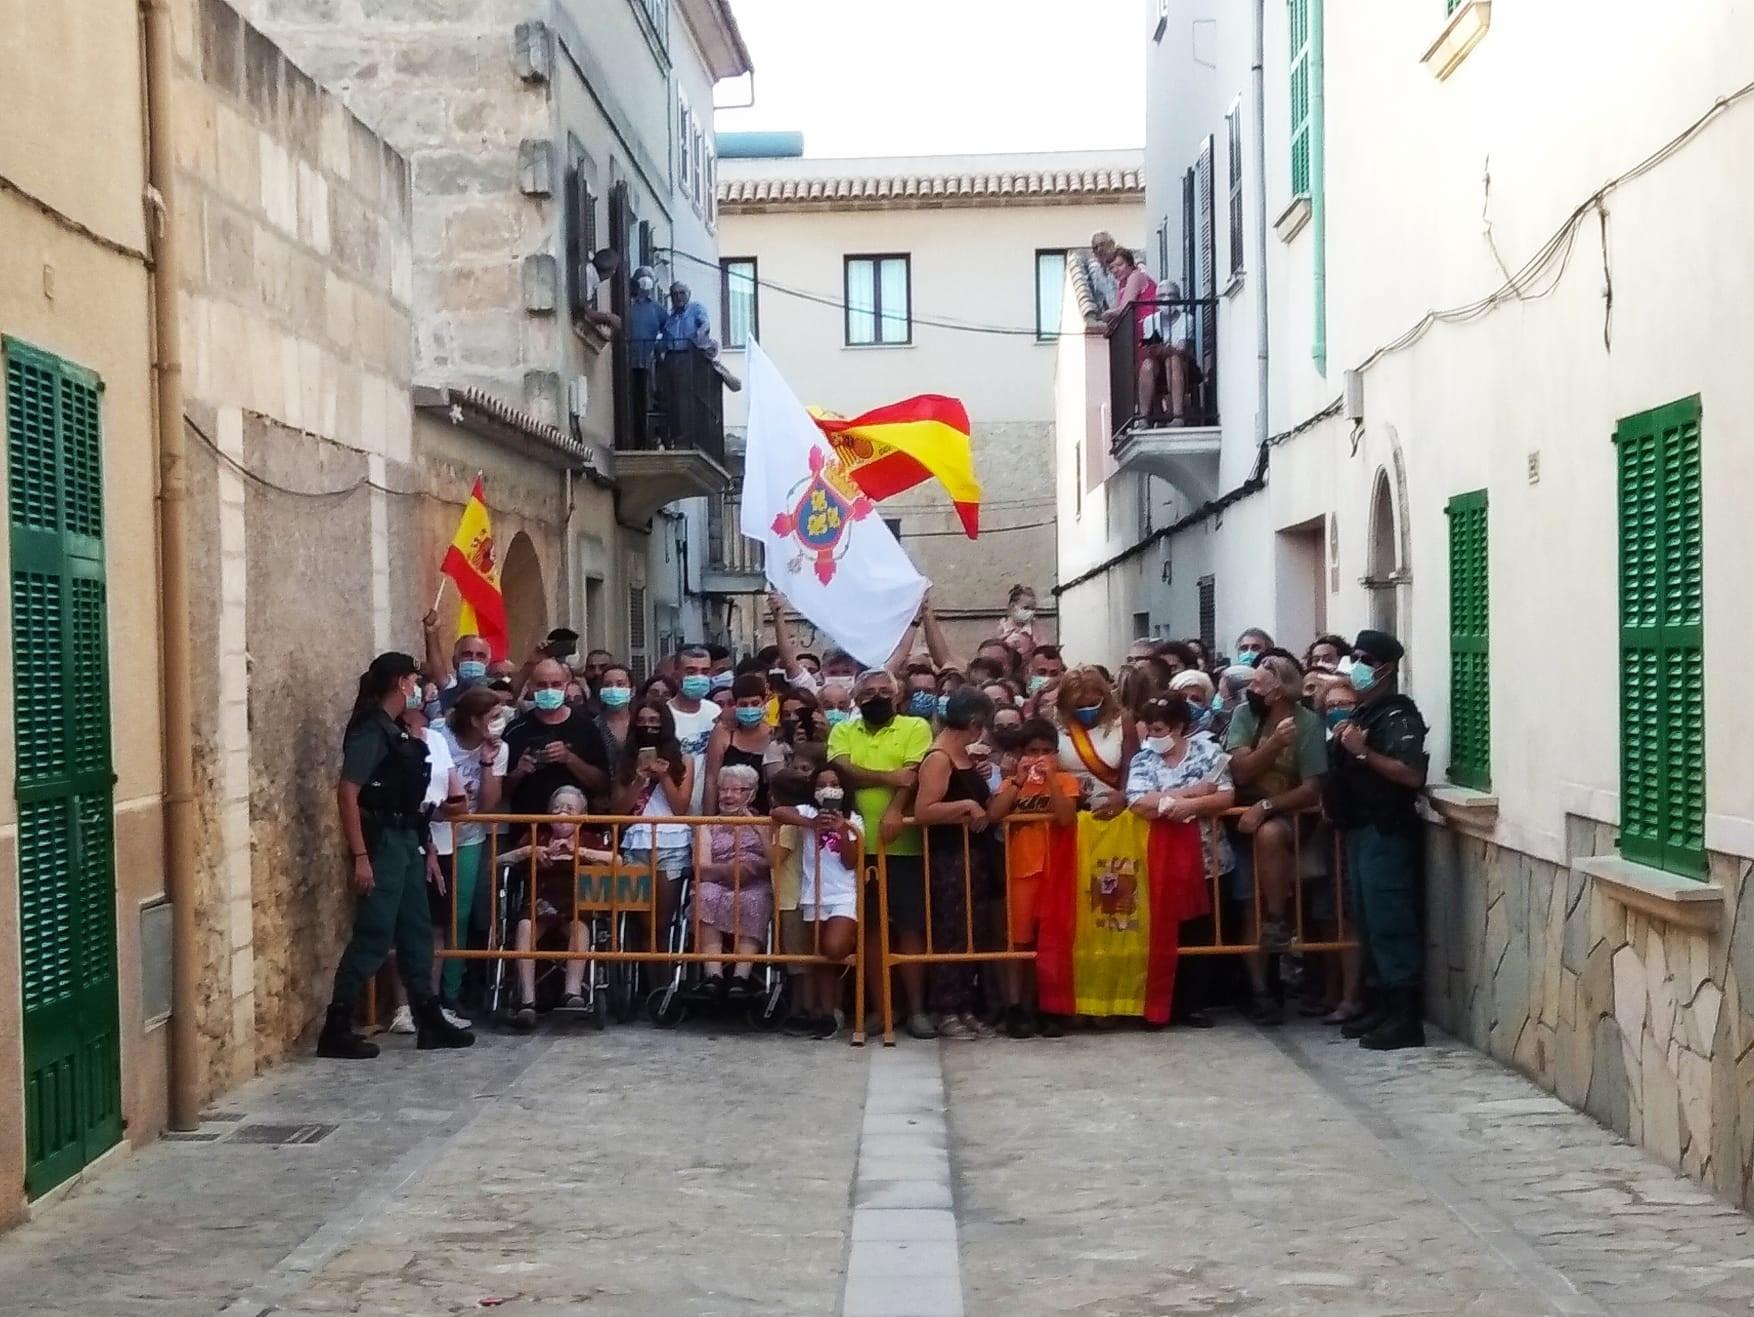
[1258, 257]
[1318, 179]
[173, 499]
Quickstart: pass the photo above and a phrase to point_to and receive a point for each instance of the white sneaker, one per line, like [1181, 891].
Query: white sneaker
[402, 1021]
[454, 1020]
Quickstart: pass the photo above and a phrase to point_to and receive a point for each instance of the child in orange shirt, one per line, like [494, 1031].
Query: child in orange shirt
[1036, 786]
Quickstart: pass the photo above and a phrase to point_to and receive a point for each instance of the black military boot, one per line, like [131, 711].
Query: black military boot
[338, 1040]
[1378, 1011]
[1402, 1028]
[434, 1030]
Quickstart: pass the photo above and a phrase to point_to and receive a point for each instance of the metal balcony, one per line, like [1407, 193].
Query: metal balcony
[1163, 392]
[670, 432]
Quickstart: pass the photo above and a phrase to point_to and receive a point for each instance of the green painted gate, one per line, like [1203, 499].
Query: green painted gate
[65, 784]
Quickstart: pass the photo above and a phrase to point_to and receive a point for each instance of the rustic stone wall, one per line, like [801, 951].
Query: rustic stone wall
[1639, 1023]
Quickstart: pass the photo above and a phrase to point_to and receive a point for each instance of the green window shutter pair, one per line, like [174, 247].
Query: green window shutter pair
[1470, 693]
[1300, 110]
[1450, 6]
[1662, 634]
[65, 785]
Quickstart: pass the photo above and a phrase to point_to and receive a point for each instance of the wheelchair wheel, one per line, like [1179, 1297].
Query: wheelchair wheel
[598, 1016]
[665, 1007]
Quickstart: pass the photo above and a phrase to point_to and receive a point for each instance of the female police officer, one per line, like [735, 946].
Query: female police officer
[383, 782]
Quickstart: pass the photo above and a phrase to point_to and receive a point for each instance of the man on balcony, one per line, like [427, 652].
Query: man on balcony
[645, 336]
[687, 325]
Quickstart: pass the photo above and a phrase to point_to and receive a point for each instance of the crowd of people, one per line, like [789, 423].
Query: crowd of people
[1278, 791]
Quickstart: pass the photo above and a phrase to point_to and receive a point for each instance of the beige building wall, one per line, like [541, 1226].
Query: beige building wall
[295, 224]
[87, 300]
[972, 263]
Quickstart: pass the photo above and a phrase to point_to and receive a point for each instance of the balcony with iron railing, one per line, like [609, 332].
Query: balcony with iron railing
[1163, 392]
[669, 426]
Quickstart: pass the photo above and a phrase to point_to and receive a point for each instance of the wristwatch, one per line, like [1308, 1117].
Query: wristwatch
[1267, 805]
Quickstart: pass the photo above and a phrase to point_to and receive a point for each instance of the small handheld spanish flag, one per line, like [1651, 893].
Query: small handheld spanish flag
[472, 563]
[891, 449]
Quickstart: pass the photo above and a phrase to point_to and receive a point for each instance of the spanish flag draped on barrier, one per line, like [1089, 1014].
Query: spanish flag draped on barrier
[1111, 904]
[472, 564]
[893, 448]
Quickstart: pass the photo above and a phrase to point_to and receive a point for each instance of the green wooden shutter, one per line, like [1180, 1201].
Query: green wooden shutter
[1450, 6]
[1300, 117]
[1662, 629]
[65, 785]
[1470, 695]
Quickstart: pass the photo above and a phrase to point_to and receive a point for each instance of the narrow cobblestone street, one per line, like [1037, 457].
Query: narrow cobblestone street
[638, 1172]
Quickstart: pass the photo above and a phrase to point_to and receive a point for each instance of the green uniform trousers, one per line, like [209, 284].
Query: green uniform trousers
[394, 911]
[1384, 872]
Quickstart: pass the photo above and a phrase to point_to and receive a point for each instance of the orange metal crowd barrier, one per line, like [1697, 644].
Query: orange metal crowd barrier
[968, 953]
[602, 881]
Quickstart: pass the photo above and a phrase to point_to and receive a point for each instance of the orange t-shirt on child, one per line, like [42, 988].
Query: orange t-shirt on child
[1026, 855]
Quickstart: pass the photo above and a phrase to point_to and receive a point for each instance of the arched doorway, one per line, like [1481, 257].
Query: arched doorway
[526, 598]
[1384, 572]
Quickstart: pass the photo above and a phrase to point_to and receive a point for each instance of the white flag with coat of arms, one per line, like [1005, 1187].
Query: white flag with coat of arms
[828, 551]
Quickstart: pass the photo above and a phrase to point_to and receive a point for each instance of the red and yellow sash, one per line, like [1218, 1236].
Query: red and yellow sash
[1109, 775]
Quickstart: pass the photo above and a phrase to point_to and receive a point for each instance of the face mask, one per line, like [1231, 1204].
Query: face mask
[835, 717]
[646, 736]
[497, 724]
[1202, 718]
[1362, 676]
[831, 799]
[1037, 684]
[1323, 665]
[645, 283]
[804, 681]
[1257, 704]
[942, 704]
[1337, 716]
[1088, 716]
[877, 711]
[1248, 658]
[776, 677]
[697, 687]
[749, 717]
[1217, 704]
[615, 697]
[1023, 616]
[471, 670]
[1160, 744]
[549, 700]
[922, 704]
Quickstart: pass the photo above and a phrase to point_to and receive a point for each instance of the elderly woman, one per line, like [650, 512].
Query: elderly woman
[555, 852]
[1097, 740]
[733, 901]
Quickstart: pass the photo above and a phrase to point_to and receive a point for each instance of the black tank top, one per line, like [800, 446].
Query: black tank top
[964, 784]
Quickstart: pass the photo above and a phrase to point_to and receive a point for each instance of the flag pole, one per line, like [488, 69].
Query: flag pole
[439, 596]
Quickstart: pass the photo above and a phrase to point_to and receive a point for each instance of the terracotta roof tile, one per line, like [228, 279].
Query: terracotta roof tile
[950, 189]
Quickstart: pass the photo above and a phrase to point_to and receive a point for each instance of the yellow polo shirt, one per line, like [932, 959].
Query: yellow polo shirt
[902, 744]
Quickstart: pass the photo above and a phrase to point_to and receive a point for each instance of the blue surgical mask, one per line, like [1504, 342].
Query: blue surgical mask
[1248, 658]
[1217, 705]
[922, 704]
[835, 717]
[1362, 676]
[943, 705]
[749, 717]
[615, 697]
[722, 681]
[471, 670]
[1337, 716]
[697, 687]
[549, 699]
[1088, 716]
[1202, 718]
[1036, 683]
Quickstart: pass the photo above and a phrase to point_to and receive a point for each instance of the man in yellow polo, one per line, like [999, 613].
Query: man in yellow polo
[878, 755]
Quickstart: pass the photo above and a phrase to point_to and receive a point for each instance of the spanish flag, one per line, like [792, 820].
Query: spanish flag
[471, 563]
[894, 448]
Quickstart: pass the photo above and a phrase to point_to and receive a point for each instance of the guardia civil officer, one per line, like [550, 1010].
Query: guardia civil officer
[383, 784]
[1376, 768]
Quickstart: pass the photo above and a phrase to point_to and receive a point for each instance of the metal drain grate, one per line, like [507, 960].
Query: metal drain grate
[191, 1136]
[282, 1135]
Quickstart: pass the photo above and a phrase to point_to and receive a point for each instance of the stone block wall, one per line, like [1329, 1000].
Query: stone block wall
[440, 81]
[294, 222]
[1639, 1023]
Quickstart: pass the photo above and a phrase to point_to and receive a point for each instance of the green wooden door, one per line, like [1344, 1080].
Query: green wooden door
[65, 785]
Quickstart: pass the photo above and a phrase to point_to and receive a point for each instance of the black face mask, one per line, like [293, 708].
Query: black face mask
[1008, 738]
[878, 711]
[1258, 703]
[647, 737]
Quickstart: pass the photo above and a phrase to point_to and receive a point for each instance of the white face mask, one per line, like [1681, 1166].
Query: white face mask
[645, 283]
[1160, 744]
[1023, 616]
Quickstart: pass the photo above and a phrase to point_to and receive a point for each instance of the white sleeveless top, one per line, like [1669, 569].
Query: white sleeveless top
[1108, 742]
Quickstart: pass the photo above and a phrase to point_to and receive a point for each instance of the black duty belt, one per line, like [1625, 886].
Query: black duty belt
[373, 819]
